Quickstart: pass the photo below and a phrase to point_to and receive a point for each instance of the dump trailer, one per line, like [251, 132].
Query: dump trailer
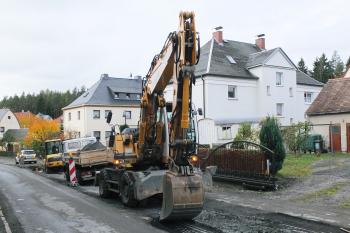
[88, 161]
[157, 159]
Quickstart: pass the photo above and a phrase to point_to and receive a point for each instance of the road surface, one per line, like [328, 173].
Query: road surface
[42, 203]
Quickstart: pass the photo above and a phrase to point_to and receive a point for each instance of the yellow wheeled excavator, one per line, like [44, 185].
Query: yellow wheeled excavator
[157, 158]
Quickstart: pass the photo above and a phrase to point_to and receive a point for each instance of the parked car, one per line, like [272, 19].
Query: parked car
[26, 157]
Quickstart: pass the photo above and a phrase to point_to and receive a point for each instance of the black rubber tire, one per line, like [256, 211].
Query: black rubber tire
[126, 189]
[78, 174]
[66, 173]
[103, 186]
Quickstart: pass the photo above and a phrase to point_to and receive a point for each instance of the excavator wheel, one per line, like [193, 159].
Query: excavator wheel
[182, 196]
[103, 186]
[126, 189]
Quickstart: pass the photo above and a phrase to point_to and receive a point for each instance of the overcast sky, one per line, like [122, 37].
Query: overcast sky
[62, 44]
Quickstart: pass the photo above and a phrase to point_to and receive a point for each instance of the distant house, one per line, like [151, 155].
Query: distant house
[44, 116]
[86, 116]
[18, 136]
[330, 114]
[7, 121]
[239, 82]
[24, 114]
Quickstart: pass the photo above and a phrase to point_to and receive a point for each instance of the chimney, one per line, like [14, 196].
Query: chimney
[104, 76]
[218, 35]
[260, 41]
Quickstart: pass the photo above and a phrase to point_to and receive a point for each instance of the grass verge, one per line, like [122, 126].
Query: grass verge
[300, 165]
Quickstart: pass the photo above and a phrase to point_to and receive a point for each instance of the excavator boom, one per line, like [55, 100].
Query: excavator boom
[183, 192]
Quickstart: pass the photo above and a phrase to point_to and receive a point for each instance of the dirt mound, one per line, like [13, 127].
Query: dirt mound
[93, 146]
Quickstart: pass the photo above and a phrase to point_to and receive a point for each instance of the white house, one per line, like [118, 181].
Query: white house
[86, 116]
[7, 121]
[240, 82]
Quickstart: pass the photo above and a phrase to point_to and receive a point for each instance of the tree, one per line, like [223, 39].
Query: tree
[295, 135]
[246, 133]
[337, 64]
[39, 131]
[270, 137]
[322, 70]
[348, 63]
[302, 67]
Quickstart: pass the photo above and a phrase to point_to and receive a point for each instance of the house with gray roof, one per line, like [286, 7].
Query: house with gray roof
[86, 115]
[7, 121]
[240, 82]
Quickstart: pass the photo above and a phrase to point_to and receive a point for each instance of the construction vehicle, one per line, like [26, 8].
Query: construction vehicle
[157, 158]
[89, 155]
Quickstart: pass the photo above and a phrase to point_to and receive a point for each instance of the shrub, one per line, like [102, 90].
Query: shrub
[270, 137]
[246, 133]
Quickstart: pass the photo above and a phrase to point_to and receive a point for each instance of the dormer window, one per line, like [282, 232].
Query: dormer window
[128, 96]
[230, 59]
[116, 95]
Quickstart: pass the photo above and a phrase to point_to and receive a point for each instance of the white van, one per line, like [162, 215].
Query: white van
[73, 145]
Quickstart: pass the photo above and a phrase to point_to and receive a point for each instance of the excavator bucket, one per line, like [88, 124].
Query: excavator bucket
[182, 196]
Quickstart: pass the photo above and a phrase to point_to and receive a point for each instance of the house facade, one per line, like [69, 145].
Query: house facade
[86, 116]
[7, 121]
[330, 114]
[240, 82]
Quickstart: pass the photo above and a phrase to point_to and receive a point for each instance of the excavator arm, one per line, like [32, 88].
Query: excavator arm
[166, 143]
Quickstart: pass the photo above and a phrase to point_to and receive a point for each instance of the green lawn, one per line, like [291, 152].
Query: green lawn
[300, 165]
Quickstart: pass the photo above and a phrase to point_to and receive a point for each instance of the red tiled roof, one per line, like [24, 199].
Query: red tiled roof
[333, 99]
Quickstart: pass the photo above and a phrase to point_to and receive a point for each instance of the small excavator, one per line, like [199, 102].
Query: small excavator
[158, 159]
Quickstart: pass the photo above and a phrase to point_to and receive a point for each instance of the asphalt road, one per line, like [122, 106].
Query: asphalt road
[42, 203]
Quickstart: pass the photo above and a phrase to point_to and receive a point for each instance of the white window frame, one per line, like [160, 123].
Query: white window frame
[279, 83]
[279, 113]
[2, 129]
[96, 117]
[106, 113]
[225, 132]
[235, 92]
[99, 132]
[127, 114]
[268, 90]
[69, 116]
[78, 115]
[291, 92]
[307, 99]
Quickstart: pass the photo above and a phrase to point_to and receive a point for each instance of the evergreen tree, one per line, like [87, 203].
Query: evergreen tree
[301, 66]
[271, 137]
[337, 64]
[322, 70]
[348, 63]
[46, 102]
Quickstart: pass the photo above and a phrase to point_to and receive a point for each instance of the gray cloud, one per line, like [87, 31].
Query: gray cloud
[63, 44]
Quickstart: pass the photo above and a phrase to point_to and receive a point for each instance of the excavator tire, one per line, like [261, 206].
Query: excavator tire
[126, 189]
[103, 190]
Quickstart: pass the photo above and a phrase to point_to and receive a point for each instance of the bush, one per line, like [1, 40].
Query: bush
[295, 135]
[246, 133]
[270, 137]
